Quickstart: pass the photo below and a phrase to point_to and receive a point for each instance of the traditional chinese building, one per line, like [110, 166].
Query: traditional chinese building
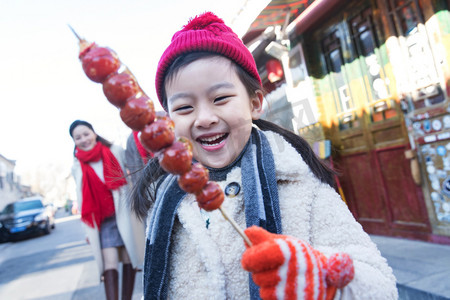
[371, 78]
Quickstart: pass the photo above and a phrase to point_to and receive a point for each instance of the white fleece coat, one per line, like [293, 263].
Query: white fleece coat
[131, 229]
[206, 263]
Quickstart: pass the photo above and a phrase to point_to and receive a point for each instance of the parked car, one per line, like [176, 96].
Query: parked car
[25, 217]
[51, 208]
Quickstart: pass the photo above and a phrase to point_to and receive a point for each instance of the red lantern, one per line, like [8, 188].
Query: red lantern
[274, 70]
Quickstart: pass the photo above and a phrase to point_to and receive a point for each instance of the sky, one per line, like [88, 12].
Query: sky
[42, 85]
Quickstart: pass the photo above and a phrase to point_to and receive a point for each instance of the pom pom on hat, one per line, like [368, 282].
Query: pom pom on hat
[202, 21]
[207, 33]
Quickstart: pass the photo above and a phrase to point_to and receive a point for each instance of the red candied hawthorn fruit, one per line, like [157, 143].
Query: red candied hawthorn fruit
[138, 112]
[158, 135]
[210, 197]
[119, 87]
[177, 158]
[99, 62]
[194, 180]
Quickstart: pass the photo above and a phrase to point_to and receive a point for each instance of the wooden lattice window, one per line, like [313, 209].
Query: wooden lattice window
[367, 43]
[333, 54]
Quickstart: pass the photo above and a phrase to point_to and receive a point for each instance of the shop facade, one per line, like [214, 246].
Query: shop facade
[371, 78]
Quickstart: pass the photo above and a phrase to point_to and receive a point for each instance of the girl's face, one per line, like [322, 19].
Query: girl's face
[211, 107]
[84, 137]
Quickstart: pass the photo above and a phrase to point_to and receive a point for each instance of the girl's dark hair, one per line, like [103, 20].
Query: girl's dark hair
[145, 187]
[89, 125]
[319, 168]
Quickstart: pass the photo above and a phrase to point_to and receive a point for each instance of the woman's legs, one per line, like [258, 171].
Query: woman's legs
[128, 275]
[110, 258]
[111, 275]
[111, 264]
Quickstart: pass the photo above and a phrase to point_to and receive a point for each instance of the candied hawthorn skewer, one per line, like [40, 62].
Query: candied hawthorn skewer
[156, 133]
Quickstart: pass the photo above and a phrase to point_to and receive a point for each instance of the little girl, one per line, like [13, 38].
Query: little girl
[208, 83]
[113, 233]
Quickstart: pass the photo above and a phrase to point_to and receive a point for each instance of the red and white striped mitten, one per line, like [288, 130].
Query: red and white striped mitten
[288, 268]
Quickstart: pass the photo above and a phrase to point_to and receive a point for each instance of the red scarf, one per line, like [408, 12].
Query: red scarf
[145, 155]
[98, 201]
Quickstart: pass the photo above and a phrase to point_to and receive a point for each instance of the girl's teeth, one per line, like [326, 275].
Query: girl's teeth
[212, 140]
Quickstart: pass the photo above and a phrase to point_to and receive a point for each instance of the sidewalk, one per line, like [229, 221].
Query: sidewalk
[85, 280]
[422, 269]
[87, 290]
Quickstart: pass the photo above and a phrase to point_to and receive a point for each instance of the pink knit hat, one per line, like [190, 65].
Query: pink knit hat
[208, 33]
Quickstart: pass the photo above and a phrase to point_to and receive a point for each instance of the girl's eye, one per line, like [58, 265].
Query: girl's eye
[221, 99]
[183, 109]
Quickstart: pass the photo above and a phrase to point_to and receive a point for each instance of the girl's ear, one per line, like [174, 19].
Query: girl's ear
[257, 105]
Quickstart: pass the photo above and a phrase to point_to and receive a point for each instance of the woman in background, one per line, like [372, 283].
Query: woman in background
[112, 231]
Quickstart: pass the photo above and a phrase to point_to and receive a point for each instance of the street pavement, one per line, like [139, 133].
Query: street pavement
[58, 266]
[422, 269]
[86, 286]
[86, 289]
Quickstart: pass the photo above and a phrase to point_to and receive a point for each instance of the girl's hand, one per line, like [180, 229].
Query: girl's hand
[288, 268]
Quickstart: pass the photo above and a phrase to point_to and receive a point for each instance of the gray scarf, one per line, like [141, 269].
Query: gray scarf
[261, 209]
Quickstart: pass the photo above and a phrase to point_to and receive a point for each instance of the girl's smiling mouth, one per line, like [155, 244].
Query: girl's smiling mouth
[213, 142]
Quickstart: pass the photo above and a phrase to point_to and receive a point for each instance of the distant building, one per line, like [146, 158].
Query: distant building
[10, 187]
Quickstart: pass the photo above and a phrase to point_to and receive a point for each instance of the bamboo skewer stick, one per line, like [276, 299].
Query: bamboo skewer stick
[76, 34]
[236, 226]
[81, 41]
